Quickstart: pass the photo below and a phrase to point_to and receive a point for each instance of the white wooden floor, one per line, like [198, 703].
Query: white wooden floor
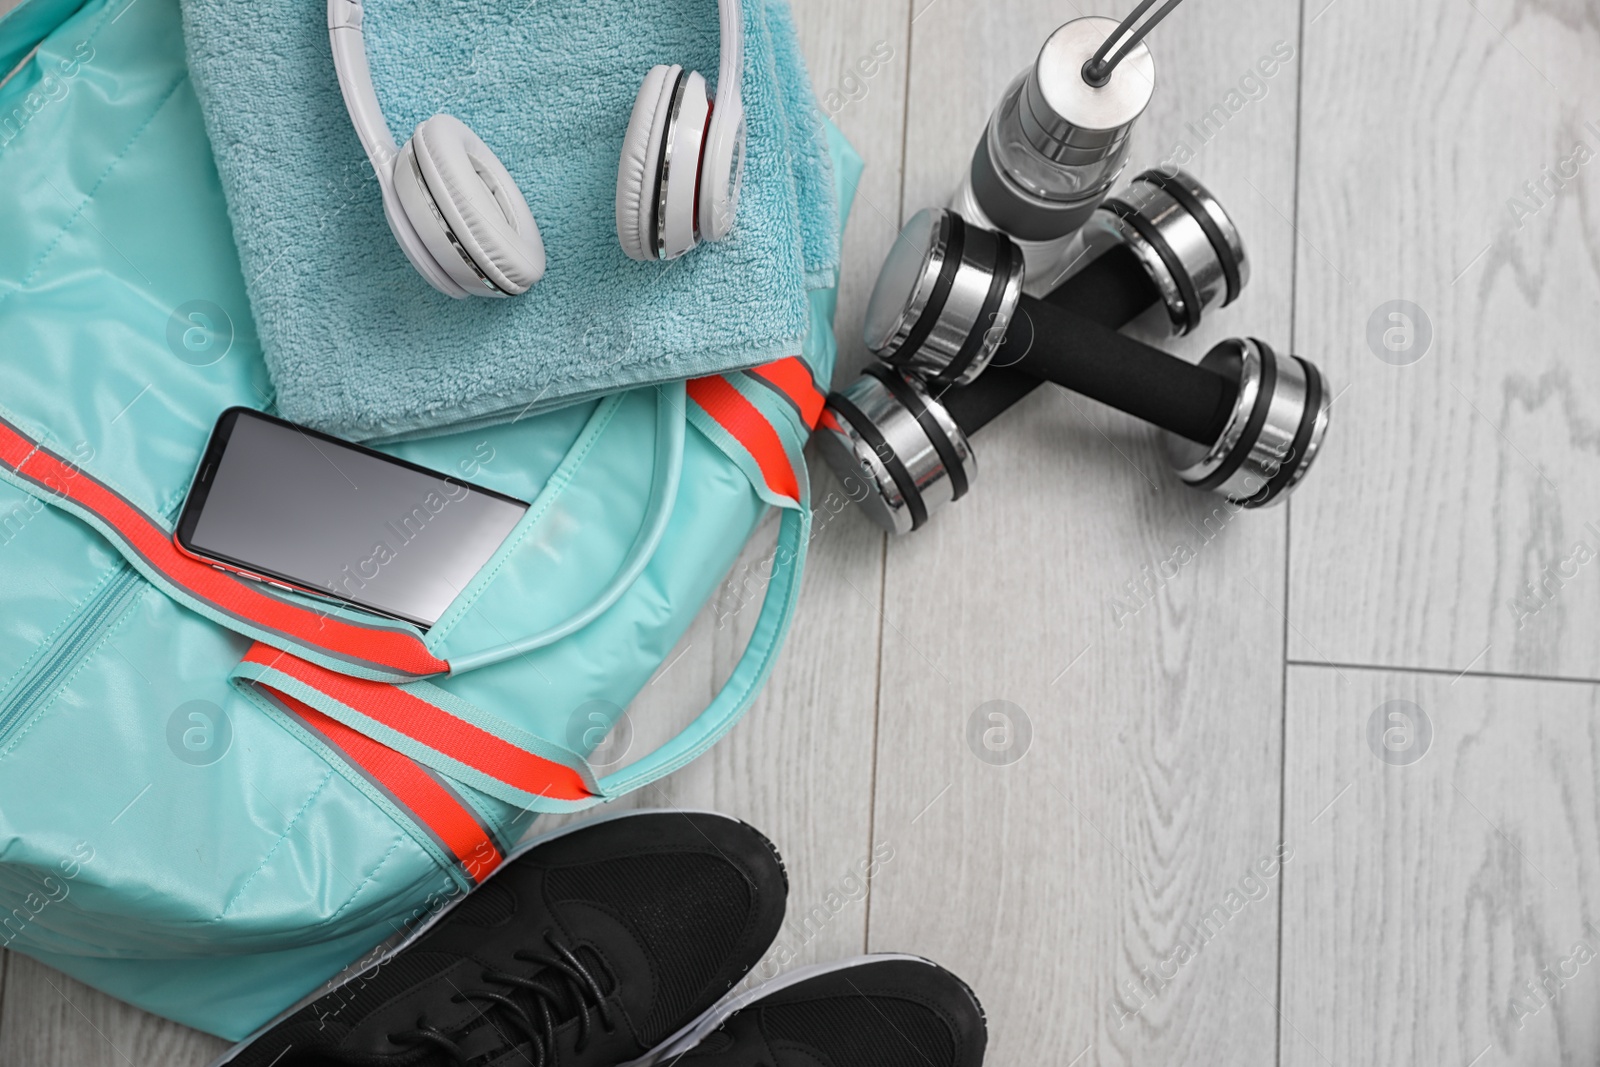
[1199, 857]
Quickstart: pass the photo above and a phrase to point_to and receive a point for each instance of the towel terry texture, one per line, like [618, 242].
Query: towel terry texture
[358, 344]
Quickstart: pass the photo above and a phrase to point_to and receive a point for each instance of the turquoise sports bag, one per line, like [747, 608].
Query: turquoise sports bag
[214, 794]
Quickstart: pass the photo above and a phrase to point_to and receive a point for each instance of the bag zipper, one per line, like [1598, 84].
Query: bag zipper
[95, 618]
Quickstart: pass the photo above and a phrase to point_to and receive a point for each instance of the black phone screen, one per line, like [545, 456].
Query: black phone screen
[286, 503]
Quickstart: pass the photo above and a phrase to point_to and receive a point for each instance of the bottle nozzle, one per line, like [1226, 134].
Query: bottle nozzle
[1098, 70]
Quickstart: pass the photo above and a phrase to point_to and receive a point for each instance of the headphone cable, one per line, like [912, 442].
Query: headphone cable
[1097, 72]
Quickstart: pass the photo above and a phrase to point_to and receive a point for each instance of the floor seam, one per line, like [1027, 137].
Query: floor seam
[883, 552]
[1288, 530]
[1449, 672]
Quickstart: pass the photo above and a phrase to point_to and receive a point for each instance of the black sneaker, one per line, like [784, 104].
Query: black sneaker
[585, 951]
[872, 1011]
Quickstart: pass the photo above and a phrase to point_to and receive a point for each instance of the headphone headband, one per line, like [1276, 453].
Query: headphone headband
[723, 151]
[705, 208]
[355, 84]
[377, 139]
[730, 70]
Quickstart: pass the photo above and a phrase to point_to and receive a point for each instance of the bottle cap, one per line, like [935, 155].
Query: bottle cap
[1070, 121]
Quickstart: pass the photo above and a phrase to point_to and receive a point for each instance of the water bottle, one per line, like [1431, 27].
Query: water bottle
[1054, 147]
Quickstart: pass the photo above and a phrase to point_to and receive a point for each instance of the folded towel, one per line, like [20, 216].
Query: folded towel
[359, 345]
[814, 179]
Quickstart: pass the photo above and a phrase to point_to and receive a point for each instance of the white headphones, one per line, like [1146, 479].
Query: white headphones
[683, 156]
[453, 206]
[462, 221]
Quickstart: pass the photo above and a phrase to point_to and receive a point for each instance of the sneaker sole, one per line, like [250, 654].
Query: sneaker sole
[516, 851]
[720, 1012]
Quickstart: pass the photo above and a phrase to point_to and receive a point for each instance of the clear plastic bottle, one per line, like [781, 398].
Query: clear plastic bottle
[1054, 147]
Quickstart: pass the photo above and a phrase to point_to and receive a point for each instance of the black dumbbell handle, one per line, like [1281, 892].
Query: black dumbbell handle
[1096, 361]
[1113, 290]
[1071, 338]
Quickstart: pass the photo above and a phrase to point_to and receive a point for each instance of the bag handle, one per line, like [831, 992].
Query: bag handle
[749, 674]
[423, 723]
[671, 425]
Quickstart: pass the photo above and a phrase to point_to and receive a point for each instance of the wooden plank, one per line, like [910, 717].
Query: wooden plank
[49, 1020]
[1061, 884]
[1431, 886]
[1453, 481]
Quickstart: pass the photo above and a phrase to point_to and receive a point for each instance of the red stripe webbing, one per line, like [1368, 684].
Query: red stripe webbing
[792, 378]
[746, 424]
[431, 726]
[429, 802]
[391, 649]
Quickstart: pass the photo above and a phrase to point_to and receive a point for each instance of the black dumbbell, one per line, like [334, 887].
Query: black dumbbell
[1163, 239]
[948, 307]
[914, 450]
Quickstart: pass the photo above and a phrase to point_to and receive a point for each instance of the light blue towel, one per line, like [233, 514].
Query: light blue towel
[359, 345]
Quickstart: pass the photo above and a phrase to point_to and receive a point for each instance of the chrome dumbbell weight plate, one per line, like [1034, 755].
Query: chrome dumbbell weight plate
[891, 432]
[1272, 434]
[944, 298]
[1188, 245]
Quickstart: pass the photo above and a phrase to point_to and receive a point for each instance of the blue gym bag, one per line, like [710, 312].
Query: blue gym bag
[215, 794]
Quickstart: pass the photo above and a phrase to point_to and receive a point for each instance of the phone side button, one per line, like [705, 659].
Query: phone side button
[239, 574]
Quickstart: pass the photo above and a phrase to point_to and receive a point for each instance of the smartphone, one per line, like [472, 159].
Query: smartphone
[301, 510]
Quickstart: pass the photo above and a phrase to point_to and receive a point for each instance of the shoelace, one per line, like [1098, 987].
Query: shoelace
[564, 982]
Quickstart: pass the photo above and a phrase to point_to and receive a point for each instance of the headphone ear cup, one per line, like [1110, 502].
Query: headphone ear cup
[468, 209]
[678, 211]
[411, 241]
[638, 168]
[722, 169]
